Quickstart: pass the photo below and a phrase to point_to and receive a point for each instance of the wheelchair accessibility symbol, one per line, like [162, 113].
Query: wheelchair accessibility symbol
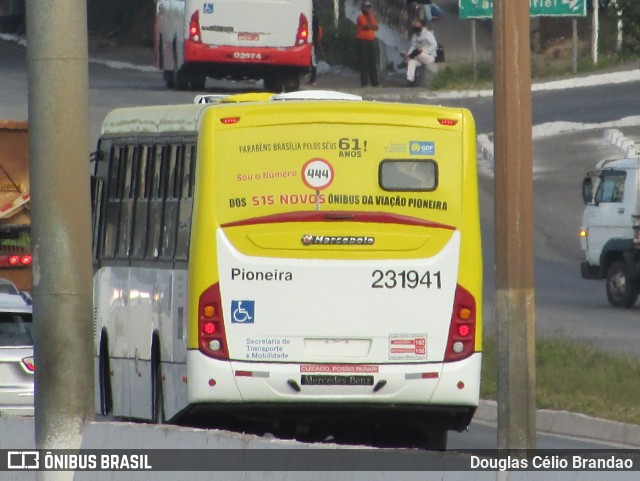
[242, 312]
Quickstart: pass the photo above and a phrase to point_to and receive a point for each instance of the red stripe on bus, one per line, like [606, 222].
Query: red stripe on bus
[339, 216]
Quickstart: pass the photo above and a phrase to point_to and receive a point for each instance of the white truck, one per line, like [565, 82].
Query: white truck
[610, 231]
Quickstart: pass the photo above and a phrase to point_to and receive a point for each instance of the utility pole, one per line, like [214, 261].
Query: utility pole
[595, 30]
[514, 225]
[61, 222]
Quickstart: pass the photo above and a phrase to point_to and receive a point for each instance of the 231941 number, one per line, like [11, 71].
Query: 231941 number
[411, 279]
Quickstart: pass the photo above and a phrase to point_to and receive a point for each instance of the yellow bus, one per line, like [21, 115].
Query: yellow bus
[310, 259]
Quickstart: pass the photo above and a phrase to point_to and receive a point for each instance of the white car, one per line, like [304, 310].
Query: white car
[16, 355]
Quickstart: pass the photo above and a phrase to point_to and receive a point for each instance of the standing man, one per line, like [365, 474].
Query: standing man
[366, 27]
[422, 50]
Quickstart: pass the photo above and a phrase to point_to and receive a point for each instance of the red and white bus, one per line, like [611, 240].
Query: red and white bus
[233, 39]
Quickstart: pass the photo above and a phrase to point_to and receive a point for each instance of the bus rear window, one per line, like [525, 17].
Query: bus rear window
[408, 175]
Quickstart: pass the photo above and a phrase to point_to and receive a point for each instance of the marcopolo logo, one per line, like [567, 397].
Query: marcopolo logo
[309, 239]
[422, 148]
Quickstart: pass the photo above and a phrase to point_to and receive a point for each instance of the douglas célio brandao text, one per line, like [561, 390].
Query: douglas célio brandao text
[602, 461]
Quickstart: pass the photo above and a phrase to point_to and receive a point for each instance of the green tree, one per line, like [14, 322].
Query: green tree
[129, 20]
[630, 11]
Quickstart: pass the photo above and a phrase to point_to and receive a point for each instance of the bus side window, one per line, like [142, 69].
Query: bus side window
[97, 190]
[142, 163]
[98, 196]
[126, 206]
[170, 214]
[187, 170]
[155, 202]
[112, 208]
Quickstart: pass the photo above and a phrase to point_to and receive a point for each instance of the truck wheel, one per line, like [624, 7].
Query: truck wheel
[621, 291]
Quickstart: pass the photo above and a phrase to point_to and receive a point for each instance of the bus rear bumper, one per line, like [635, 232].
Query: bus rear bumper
[214, 381]
[251, 56]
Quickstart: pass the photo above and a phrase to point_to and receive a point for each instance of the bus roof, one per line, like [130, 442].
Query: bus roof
[267, 96]
[316, 95]
[165, 118]
[186, 117]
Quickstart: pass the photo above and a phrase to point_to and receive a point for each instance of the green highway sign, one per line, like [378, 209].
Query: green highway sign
[538, 8]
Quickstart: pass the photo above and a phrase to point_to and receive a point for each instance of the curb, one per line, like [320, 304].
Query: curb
[576, 425]
[616, 137]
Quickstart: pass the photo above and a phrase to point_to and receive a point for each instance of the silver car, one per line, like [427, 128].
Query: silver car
[16, 355]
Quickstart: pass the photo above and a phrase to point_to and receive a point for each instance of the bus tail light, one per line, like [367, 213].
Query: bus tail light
[302, 37]
[447, 122]
[229, 120]
[16, 260]
[212, 340]
[195, 34]
[462, 331]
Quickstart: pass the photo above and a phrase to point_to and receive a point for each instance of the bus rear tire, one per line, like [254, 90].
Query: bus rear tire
[198, 83]
[180, 82]
[157, 401]
[168, 79]
[104, 378]
[279, 83]
[434, 439]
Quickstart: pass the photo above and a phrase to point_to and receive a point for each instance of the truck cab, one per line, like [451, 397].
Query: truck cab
[610, 231]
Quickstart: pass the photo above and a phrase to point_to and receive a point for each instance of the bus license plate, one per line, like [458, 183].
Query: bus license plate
[253, 37]
[323, 380]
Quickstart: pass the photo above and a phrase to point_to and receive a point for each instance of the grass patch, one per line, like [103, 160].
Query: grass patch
[575, 378]
[462, 77]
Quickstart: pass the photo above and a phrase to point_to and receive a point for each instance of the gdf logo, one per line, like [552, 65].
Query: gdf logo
[422, 148]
